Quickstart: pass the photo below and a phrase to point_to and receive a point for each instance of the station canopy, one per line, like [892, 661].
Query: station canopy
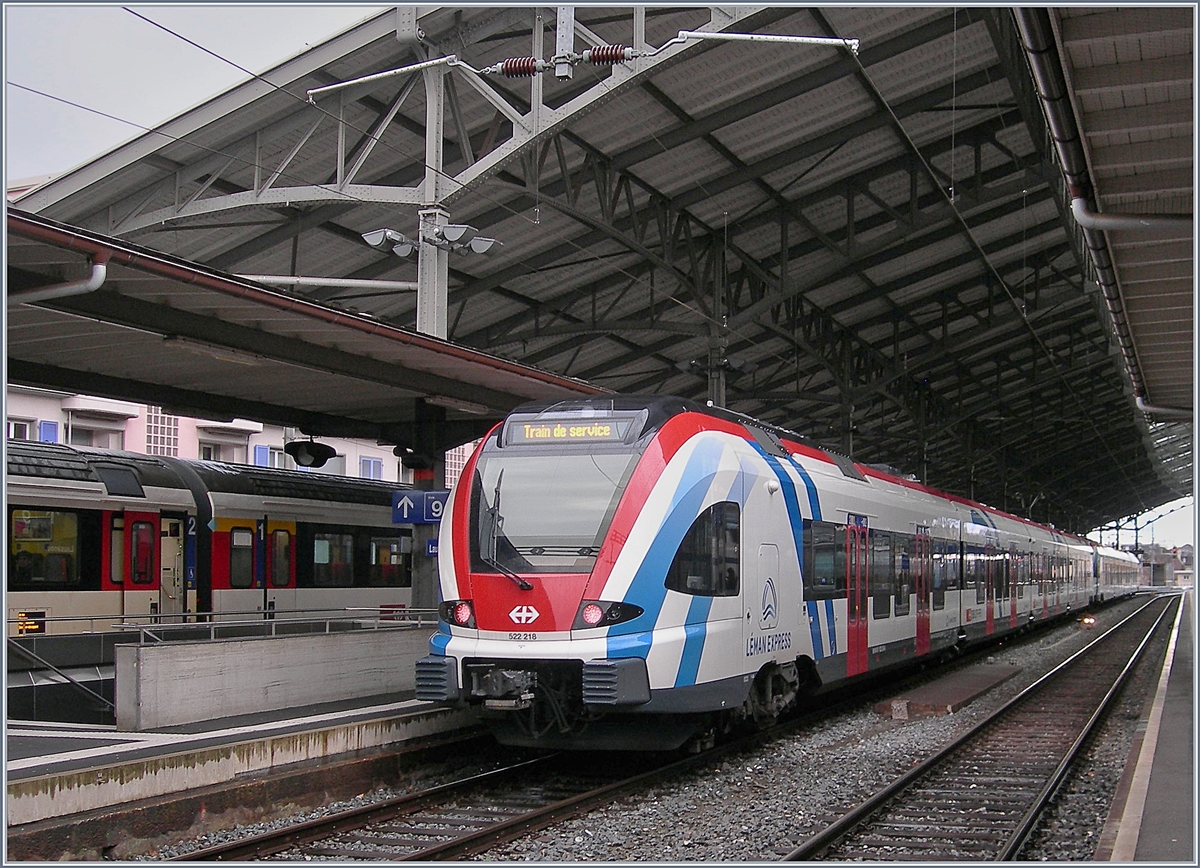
[867, 238]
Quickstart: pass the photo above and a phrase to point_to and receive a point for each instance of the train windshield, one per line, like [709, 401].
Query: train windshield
[545, 510]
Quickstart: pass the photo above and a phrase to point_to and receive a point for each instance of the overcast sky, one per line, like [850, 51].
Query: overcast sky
[106, 59]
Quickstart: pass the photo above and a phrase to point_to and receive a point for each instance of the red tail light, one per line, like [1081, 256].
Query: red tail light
[458, 612]
[599, 613]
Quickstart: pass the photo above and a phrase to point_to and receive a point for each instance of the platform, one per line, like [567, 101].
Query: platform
[96, 776]
[947, 695]
[1154, 811]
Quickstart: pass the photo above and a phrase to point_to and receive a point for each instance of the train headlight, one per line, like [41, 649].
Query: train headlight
[458, 612]
[599, 613]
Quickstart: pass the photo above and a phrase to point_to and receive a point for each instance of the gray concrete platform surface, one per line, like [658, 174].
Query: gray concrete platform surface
[1153, 818]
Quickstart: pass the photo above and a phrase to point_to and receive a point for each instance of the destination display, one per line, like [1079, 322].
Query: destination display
[567, 431]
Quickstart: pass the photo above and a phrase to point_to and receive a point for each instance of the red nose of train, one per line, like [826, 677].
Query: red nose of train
[550, 606]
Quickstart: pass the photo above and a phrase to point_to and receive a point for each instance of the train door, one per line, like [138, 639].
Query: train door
[1014, 580]
[989, 581]
[279, 579]
[856, 594]
[171, 588]
[922, 579]
[140, 563]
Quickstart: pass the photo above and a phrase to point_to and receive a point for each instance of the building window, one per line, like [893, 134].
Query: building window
[370, 468]
[162, 432]
[210, 452]
[18, 430]
[48, 432]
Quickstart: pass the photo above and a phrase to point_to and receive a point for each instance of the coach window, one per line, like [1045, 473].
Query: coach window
[333, 560]
[708, 559]
[942, 564]
[388, 564]
[141, 562]
[904, 571]
[241, 558]
[824, 561]
[281, 559]
[45, 548]
[883, 574]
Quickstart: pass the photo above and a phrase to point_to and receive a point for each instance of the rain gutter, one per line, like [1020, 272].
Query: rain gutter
[1037, 40]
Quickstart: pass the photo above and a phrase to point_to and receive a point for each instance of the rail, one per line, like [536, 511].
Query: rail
[158, 626]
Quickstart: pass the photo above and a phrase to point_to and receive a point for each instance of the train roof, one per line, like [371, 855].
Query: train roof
[660, 408]
[125, 473]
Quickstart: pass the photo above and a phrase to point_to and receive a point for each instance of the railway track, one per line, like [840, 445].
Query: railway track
[981, 796]
[463, 817]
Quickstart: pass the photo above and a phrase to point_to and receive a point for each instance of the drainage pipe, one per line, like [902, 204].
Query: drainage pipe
[61, 290]
[1107, 221]
[334, 282]
[1164, 412]
[1037, 39]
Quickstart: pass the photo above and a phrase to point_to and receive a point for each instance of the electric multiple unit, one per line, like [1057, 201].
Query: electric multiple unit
[632, 572]
[115, 536]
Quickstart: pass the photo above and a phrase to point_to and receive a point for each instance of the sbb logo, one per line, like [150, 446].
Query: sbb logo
[524, 615]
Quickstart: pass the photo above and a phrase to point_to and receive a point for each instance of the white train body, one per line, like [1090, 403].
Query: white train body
[625, 572]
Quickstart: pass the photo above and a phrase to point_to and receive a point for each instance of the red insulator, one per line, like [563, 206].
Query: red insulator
[606, 55]
[519, 67]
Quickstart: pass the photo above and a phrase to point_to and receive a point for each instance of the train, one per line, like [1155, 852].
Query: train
[98, 538]
[635, 572]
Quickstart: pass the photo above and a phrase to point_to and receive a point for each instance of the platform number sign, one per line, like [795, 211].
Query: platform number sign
[418, 507]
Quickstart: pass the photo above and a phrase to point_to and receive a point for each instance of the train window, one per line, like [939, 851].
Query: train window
[883, 574]
[905, 548]
[281, 559]
[943, 563]
[708, 560]
[53, 549]
[241, 558]
[824, 561]
[388, 564]
[333, 560]
[143, 536]
[116, 558]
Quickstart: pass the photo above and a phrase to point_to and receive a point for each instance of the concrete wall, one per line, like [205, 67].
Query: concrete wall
[185, 682]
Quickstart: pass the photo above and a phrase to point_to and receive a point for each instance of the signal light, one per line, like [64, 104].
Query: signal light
[592, 614]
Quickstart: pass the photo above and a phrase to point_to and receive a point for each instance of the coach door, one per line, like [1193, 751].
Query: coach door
[856, 590]
[989, 580]
[139, 560]
[171, 589]
[922, 578]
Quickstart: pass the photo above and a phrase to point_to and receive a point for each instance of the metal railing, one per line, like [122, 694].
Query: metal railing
[159, 626]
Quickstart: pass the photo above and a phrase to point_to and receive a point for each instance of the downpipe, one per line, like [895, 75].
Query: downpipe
[62, 290]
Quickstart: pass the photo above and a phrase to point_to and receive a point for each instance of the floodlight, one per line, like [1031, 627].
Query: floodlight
[383, 239]
[458, 233]
[479, 244]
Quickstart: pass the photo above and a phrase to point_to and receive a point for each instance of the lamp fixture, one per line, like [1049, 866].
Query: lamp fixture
[389, 240]
[453, 237]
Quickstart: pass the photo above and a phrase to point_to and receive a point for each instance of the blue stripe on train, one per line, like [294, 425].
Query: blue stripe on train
[647, 588]
[695, 630]
[814, 628]
[833, 649]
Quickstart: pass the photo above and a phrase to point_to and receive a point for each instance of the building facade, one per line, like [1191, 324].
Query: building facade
[81, 420]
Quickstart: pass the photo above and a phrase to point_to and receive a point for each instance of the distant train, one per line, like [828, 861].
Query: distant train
[117, 535]
[633, 572]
